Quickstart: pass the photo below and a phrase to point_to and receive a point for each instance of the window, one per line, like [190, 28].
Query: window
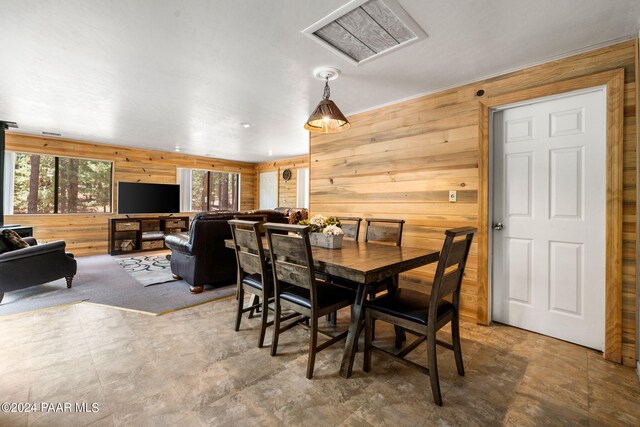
[209, 190]
[44, 184]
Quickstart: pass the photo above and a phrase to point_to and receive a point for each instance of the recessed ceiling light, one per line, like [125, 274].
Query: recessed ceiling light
[177, 148]
[246, 125]
[269, 153]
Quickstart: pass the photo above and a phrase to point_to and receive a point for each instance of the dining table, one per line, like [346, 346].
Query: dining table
[363, 264]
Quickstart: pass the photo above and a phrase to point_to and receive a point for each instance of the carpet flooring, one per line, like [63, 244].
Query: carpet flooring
[100, 280]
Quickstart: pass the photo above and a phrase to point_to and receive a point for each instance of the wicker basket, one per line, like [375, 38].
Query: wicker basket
[127, 226]
[175, 223]
[153, 244]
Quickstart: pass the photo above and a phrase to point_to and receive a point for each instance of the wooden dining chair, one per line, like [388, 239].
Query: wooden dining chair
[254, 276]
[384, 230]
[297, 289]
[351, 226]
[422, 314]
[380, 230]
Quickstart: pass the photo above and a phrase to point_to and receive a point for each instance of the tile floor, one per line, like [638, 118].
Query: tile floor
[190, 368]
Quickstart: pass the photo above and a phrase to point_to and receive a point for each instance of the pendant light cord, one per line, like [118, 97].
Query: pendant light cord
[327, 91]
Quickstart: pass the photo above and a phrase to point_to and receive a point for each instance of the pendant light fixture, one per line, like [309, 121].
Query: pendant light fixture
[327, 117]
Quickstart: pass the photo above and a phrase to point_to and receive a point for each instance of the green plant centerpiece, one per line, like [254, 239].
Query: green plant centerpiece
[325, 232]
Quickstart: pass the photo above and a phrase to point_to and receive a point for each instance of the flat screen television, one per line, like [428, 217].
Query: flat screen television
[139, 198]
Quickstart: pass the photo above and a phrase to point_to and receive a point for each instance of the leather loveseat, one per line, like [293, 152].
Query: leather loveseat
[201, 258]
[35, 265]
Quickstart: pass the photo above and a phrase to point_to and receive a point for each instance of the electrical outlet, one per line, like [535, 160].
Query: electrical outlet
[453, 196]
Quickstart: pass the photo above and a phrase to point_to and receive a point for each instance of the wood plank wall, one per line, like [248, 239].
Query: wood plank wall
[87, 234]
[400, 161]
[287, 190]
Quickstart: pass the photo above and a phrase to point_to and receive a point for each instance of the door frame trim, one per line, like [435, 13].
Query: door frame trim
[613, 81]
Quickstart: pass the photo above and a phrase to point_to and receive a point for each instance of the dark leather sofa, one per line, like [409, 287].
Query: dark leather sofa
[35, 265]
[201, 258]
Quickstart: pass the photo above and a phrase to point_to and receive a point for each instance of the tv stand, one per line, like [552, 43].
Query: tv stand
[130, 235]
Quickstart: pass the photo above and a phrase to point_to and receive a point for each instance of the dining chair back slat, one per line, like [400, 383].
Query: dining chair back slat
[293, 274]
[449, 283]
[350, 226]
[246, 239]
[456, 253]
[250, 263]
[384, 230]
[287, 246]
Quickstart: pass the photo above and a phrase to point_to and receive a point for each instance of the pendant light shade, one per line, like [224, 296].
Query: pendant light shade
[327, 117]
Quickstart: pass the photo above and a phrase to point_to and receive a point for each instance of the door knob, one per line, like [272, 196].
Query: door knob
[498, 226]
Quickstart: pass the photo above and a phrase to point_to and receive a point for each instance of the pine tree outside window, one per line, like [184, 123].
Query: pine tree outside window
[44, 184]
[212, 190]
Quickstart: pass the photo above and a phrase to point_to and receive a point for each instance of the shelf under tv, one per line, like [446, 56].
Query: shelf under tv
[145, 233]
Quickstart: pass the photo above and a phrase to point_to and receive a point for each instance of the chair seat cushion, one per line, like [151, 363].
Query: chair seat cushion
[255, 281]
[410, 305]
[328, 295]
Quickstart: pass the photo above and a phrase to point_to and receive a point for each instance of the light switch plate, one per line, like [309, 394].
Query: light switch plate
[453, 196]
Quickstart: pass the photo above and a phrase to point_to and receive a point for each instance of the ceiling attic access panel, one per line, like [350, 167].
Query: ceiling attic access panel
[363, 30]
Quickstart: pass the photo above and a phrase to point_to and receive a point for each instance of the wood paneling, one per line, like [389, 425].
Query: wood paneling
[630, 193]
[87, 234]
[287, 190]
[400, 161]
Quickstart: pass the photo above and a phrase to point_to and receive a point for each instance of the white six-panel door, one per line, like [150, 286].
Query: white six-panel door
[268, 190]
[549, 195]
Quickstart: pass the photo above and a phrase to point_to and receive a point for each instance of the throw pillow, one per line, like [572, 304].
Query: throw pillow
[14, 241]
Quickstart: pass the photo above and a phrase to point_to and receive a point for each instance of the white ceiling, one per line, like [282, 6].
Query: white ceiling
[160, 73]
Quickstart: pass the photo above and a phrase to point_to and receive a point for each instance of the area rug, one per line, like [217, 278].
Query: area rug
[147, 269]
[100, 280]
